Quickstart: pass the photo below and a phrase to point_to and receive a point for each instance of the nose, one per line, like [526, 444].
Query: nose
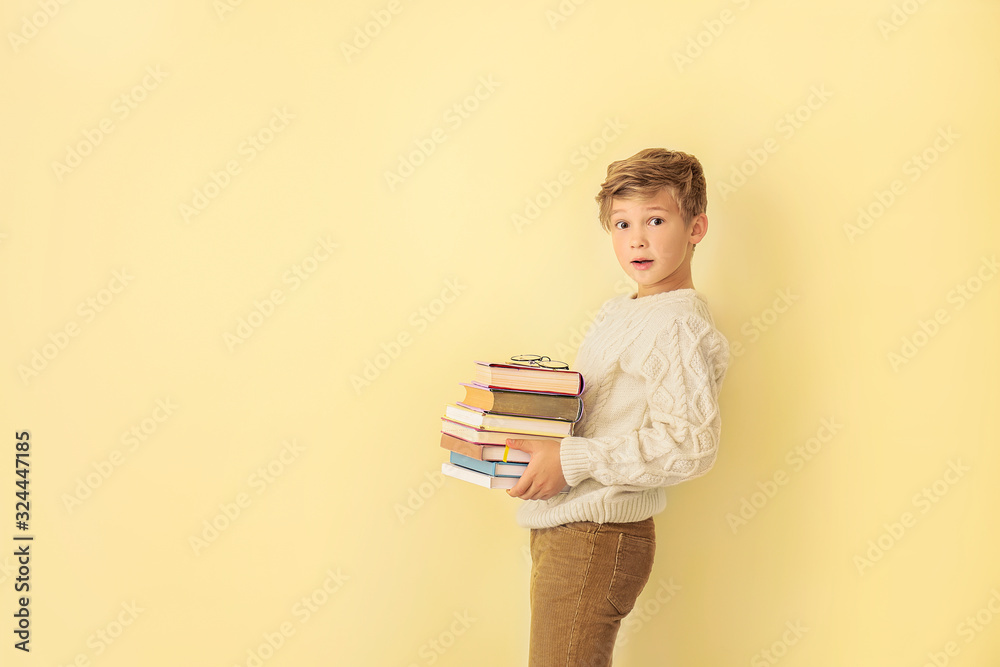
[638, 238]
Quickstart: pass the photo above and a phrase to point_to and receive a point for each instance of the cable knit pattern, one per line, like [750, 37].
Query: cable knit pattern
[653, 368]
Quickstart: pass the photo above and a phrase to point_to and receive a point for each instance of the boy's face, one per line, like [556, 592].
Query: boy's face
[652, 243]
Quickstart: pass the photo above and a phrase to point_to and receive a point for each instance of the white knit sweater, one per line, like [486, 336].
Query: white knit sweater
[653, 368]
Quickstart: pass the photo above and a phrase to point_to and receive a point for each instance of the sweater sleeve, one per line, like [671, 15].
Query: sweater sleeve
[681, 373]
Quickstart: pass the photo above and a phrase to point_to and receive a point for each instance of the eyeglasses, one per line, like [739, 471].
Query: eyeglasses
[539, 362]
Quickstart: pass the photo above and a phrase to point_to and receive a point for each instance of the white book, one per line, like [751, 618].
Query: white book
[529, 425]
[482, 479]
[466, 475]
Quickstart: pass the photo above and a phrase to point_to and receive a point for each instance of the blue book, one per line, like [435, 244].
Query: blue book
[491, 468]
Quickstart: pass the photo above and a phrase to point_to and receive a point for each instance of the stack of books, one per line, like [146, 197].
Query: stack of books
[507, 401]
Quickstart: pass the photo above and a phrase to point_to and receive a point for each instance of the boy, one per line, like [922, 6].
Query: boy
[653, 364]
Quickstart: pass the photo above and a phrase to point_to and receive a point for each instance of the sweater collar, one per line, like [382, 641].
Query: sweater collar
[661, 297]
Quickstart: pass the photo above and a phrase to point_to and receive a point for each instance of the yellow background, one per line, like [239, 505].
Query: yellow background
[401, 566]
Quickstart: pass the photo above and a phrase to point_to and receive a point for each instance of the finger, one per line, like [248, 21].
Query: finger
[541, 494]
[518, 489]
[535, 492]
[515, 443]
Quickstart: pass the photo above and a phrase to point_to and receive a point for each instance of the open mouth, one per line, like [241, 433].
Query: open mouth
[641, 263]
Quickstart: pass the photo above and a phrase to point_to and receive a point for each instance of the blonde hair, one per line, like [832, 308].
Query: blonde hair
[646, 173]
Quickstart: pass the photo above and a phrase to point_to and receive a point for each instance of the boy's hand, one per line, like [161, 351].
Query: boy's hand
[543, 478]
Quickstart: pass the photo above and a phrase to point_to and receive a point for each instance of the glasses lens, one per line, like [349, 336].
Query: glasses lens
[540, 361]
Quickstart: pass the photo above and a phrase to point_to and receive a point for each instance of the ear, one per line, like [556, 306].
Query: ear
[699, 227]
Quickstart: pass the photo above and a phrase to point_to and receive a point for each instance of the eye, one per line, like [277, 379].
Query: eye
[656, 221]
[621, 224]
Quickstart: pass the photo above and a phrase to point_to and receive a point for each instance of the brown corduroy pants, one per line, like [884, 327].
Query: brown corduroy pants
[585, 578]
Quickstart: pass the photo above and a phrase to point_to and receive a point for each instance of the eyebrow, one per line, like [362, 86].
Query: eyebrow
[652, 208]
